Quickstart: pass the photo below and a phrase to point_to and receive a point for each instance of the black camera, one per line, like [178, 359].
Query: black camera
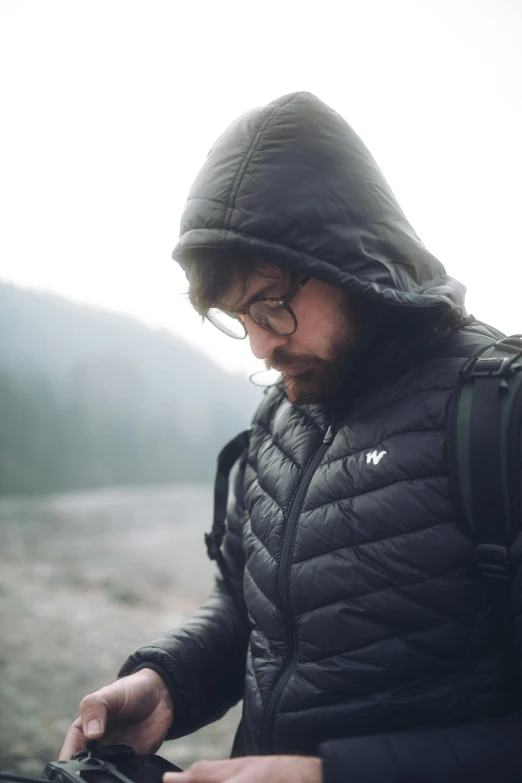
[109, 765]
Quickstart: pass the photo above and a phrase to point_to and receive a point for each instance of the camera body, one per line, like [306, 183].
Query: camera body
[109, 765]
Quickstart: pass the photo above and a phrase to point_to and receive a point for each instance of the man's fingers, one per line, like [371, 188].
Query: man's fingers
[209, 771]
[74, 741]
[200, 772]
[252, 769]
[93, 711]
[92, 722]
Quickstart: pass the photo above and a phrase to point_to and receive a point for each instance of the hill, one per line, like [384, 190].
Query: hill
[91, 398]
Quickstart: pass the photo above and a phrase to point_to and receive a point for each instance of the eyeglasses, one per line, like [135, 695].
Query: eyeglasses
[273, 314]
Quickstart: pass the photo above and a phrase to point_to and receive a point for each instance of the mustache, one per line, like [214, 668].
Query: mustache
[280, 360]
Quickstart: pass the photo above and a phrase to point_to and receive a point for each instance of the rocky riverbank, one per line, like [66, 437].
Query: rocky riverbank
[85, 579]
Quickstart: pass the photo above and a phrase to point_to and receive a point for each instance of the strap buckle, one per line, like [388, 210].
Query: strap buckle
[213, 544]
[492, 561]
[487, 367]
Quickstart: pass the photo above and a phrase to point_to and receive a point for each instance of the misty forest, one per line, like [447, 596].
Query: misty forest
[91, 399]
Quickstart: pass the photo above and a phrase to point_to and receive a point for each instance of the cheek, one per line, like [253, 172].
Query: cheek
[313, 339]
[321, 326]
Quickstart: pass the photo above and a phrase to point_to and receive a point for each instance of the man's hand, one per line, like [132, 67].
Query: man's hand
[252, 769]
[136, 710]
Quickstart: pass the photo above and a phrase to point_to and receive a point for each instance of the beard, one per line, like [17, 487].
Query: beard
[321, 379]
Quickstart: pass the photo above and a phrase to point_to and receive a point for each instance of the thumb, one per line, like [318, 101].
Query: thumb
[93, 714]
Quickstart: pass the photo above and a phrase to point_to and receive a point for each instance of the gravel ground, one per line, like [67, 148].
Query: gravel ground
[85, 579]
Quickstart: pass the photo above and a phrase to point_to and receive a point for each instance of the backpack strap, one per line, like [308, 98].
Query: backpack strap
[228, 457]
[484, 452]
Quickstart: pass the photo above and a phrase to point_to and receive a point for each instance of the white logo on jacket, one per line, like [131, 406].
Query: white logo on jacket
[375, 457]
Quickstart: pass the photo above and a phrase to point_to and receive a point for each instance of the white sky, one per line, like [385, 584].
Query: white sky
[108, 109]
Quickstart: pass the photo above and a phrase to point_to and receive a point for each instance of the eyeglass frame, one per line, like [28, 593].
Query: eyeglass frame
[282, 302]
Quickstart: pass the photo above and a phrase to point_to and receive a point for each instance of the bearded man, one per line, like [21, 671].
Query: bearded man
[354, 623]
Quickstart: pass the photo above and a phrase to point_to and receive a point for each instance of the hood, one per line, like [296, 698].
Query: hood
[292, 183]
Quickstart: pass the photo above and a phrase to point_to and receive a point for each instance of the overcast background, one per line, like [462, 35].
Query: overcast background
[108, 108]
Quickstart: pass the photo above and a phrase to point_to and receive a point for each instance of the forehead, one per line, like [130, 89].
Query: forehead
[266, 280]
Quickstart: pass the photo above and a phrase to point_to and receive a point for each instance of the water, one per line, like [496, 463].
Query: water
[85, 579]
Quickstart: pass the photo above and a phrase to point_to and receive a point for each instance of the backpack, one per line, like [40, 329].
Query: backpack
[485, 453]
[484, 447]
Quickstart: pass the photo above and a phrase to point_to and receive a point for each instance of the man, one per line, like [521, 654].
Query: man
[364, 643]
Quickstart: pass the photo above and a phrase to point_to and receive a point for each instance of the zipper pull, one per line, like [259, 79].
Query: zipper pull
[329, 435]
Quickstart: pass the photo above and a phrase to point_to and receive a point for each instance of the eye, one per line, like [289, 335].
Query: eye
[261, 314]
[272, 316]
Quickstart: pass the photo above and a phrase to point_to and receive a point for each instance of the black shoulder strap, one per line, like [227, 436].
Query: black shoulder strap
[484, 452]
[228, 457]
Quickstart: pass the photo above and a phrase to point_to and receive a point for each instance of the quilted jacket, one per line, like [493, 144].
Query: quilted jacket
[364, 633]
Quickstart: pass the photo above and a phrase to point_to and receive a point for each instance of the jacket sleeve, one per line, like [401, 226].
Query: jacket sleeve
[203, 661]
[481, 751]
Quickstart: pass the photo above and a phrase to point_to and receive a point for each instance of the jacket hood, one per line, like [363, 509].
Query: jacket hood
[292, 183]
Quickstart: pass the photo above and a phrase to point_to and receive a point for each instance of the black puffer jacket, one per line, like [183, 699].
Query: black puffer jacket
[368, 636]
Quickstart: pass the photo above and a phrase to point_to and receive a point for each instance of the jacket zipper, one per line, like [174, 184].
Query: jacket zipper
[284, 589]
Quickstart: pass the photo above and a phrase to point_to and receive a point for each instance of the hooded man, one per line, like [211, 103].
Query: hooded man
[353, 623]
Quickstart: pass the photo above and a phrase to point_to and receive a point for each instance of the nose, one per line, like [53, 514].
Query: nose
[262, 342]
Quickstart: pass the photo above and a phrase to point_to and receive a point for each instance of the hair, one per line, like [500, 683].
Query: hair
[214, 273]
